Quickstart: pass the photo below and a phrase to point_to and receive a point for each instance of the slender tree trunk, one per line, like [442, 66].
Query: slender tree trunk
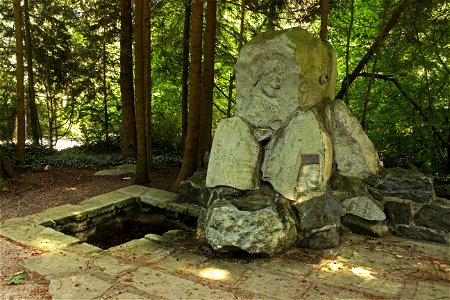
[148, 80]
[324, 19]
[34, 117]
[20, 83]
[185, 73]
[105, 92]
[6, 171]
[394, 19]
[347, 50]
[126, 81]
[141, 162]
[205, 139]
[191, 143]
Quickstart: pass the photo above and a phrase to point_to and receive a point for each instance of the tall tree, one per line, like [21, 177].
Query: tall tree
[185, 72]
[33, 115]
[205, 138]
[323, 19]
[126, 80]
[148, 80]
[20, 82]
[141, 162]
[192, 137]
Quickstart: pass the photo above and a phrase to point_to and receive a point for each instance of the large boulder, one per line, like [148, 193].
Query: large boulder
[234, 159]
[354, 152]
[407, 184]
[363, 207]
[279, 72]
[435, 215]
[299, 160]
[268, 231]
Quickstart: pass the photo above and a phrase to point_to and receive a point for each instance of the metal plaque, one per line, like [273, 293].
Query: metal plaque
[310, 159]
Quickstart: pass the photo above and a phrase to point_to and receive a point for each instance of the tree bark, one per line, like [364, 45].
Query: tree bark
[205, 139]
[141, 162]
[105, 90]
[185, 73]
[148, 80]
[394, 19]
[347, 50]
[324, 19]
[34, 117]
[126, 81]
[6, 171]
[20, 83]
[191, 142]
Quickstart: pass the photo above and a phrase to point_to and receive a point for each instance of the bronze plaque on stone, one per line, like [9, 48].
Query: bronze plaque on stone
[310, 159]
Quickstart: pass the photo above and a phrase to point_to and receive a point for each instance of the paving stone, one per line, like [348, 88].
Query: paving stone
[183, 262]
[57, 263]
[275, 285]
[38, 236]
[83, 248]
[285, 265]
[226, 271]
[163, 285]
[60, 212]
[121, 295]
[80, 286]
[134, 190]
[140, 249]
[432, 290]
[326, 291]
[158, 198]
[110, 265]
[340, 272]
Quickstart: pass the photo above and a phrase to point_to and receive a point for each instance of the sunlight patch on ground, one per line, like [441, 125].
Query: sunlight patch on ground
[364, 273]
[214, 274]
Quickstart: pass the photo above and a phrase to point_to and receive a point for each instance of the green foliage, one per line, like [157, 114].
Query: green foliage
[17, 278]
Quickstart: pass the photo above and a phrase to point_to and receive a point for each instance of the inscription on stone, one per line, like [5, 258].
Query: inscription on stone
[310, 159]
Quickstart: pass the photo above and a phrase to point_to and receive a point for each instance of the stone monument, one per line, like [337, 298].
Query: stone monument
[293, 165]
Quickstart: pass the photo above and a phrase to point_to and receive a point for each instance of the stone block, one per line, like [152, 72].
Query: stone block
[299, 160]
[361, 226]
[421, 233]
[234, 159]
[278, 72]
[398, 210]
[354, 152]
[325, 238]
[266, 231]
[407, 184]
[363, 207]
[435, 215]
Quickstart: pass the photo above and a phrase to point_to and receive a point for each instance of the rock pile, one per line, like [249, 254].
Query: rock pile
[294, 167]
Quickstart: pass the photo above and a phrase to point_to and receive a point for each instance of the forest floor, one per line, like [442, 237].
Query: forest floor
[35, 191]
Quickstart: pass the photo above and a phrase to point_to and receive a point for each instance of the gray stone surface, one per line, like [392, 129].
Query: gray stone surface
[398, 210]
[361, 226]
[118, 170]
[407, 184]
[266, 231]
[354, 152]
[281, 71]
[284, 164]
[421, 233]
[317, 213]
[324, 238]
[234, 156]
[363, 207]
[435, 215]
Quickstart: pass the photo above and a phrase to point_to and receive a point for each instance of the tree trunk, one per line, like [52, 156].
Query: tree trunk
[126, 81]
[185, 73]
[6, 171]
[141, 162]
[191, 143]
[394, 19]
[105, 91]
[34, 117]
[205, 139]
[148, 80]
[324, 19]
[20, 83]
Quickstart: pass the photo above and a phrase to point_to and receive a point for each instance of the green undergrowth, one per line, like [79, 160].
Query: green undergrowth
[37, 156]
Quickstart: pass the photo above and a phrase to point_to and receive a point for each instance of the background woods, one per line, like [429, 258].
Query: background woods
[155, 76]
